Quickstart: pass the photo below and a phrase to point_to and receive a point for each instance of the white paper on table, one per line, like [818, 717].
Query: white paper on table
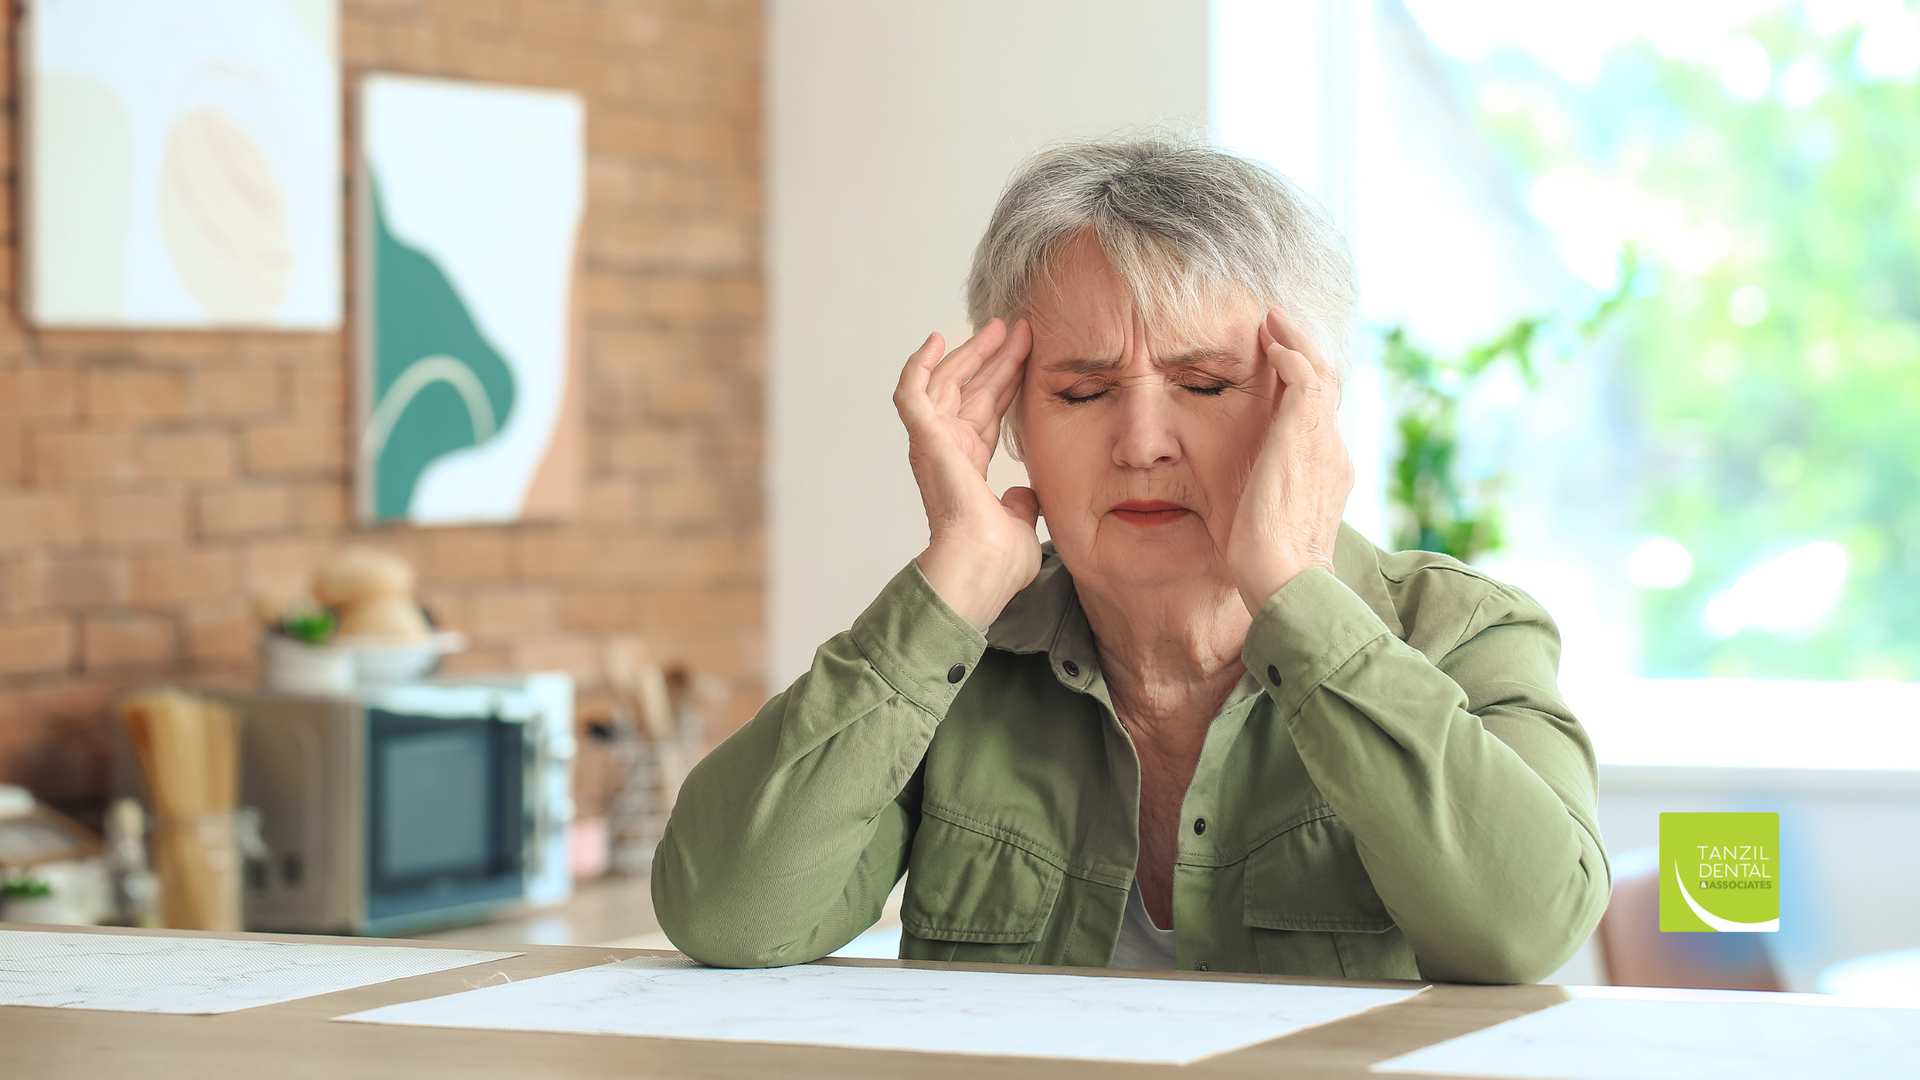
[1617, 1033]
[887, 1008]
[136, 973]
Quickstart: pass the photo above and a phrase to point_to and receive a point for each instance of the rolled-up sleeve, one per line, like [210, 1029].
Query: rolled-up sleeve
[1470, 788]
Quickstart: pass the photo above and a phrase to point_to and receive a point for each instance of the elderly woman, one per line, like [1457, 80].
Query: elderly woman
[1206, 726]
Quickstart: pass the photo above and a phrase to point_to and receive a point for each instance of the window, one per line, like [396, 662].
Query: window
[1724, 492]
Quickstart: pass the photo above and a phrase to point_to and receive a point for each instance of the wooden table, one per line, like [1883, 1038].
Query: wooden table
[295, 1039]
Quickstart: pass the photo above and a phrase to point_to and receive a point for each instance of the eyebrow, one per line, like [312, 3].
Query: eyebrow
[1186, 359]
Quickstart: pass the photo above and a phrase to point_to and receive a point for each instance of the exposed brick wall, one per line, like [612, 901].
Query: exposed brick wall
[152, 483]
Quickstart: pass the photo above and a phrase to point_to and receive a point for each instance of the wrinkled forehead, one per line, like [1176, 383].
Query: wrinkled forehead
[1083, 305]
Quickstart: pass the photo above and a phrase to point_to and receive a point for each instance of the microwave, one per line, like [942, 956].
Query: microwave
[401, 808]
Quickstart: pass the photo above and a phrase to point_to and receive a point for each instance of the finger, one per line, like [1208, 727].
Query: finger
[961, 363]
[990, 392]
[1302, 390]
[1267, 370]
[911, 392]
[1022, 503]
[1285, 332]
[1295, 370]
[985, 413]
[1307, 401]
[1006, 363]
[1004, 399]
[989, 417]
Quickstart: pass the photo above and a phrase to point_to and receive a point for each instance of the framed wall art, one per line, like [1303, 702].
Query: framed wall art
[468, 209]
[181, 164]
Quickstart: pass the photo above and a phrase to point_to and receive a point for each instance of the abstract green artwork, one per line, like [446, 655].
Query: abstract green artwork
[469, 211]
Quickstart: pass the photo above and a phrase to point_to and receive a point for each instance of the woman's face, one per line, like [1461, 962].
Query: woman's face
[1139, 438]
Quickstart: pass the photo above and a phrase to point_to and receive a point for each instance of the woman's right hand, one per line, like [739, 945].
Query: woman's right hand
[982, 550]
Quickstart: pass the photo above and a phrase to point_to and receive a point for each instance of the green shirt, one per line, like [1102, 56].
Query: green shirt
[1394, 790]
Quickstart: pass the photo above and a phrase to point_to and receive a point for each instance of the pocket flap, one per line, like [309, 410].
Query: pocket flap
[963, 885]
[1311, 878]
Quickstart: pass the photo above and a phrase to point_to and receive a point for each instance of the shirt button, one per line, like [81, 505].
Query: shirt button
[1073, 669]
[1273, 675]
[1204, 965]
[1199, 825]
[956, 672]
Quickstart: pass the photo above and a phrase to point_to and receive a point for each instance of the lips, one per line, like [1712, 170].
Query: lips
[1149, 513]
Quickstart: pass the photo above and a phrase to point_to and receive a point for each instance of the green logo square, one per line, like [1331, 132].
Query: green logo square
[1720, 872]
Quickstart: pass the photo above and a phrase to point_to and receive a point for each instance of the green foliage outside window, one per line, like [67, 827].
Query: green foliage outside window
[1437, 507]
[1777, 382]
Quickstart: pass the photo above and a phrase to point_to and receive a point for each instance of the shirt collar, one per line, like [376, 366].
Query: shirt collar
[1038, 615]
[1046, 615]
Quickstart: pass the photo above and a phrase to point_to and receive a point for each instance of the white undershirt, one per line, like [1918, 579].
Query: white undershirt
[1142, 945]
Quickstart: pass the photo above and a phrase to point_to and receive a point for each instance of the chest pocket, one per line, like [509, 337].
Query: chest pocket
[974, 897]
[1313, 909]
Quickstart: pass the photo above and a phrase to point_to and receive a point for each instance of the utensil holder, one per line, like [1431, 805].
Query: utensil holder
[198, 859]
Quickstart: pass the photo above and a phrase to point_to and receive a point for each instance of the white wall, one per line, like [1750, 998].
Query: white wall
[891, 128]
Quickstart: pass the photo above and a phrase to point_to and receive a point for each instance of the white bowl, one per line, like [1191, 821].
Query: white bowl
[386, 661]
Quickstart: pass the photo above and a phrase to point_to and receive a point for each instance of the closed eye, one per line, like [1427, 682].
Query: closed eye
[1072, 398]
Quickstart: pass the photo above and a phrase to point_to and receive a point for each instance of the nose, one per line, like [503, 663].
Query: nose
[1146, 438]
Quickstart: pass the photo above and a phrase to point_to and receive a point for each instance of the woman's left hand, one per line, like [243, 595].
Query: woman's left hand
[1289, 515]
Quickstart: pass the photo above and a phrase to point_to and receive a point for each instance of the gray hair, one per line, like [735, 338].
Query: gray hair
[1187, 225]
